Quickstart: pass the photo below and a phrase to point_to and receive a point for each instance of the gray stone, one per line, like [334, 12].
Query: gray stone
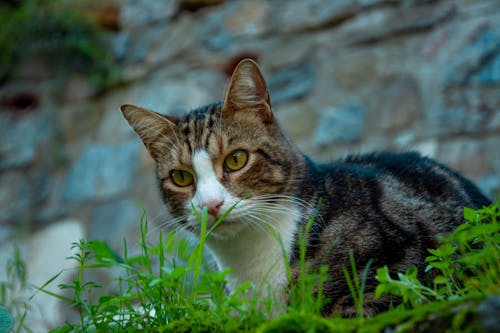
[137, 13]
[488, 313]
[46, 256]
[477, 62]
[22, 193]
[398, 105]
[21, 137]
[248, 18]
[113, 220]
[102, 171]
[15, 196]
[6, 233]
[216, 35]
[490, 185]
[489, 73]
[145, 48]
[171, 94]
[294, 16]
[458, 119]
[233, 20]
[291, 82]
[345, 124]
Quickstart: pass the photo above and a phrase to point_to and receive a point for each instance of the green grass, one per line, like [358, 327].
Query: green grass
[166, 288]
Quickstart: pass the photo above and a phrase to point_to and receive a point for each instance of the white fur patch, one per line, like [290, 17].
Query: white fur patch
[251, 251]
[255, 255]
[208, 187]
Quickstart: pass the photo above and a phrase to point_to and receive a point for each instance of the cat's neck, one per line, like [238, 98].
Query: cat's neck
[256, 254]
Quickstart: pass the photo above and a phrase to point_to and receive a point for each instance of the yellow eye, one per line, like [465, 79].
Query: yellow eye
[181, 178]
[236, 160]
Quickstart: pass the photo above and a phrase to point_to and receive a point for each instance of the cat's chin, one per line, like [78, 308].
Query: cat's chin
[229, 228]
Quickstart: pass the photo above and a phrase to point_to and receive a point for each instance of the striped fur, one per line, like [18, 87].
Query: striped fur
[386, 207]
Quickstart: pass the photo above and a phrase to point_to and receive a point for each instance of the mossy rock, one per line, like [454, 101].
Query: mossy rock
[6, 321]
[297, 322]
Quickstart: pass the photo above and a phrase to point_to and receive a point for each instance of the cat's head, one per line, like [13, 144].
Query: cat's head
[229, 155]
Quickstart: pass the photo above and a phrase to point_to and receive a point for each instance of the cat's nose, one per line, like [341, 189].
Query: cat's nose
[213, 207]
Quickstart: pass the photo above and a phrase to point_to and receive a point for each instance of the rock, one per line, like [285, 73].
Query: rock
[399, 105]
[15, 197]
[144, 49]
[477, 62]
[233, 20]
[112, 221]
[168, 41]
[488, 313]
[296, 119]
[46, 256]
[216, 35]
[168, 94]
[471, 157]
[248, 18]
[78, 88]
[295, 16]
[457, 118]
[345, 123]
[376, 25]
[291, 82]
[139, 13]
[21, 137]
[490, 185]
[6, 320]
[101, 171]
[489, 73]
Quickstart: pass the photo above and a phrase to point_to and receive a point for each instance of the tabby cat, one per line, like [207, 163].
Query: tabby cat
[385, 207]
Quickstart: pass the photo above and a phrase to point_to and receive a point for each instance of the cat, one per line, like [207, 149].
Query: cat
[387, 208]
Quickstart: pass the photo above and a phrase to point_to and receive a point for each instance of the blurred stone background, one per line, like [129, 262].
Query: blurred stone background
[345, 76]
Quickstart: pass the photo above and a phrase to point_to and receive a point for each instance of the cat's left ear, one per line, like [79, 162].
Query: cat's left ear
[149, 125]
[247, 91]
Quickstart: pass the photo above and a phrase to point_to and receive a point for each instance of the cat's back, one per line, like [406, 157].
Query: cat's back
[401, 177]
[405, 195]
[387, 208]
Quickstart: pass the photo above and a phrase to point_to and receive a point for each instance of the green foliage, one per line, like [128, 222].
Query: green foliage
[467, 264]
[306, 292]
[158, 292]
[46, 31]
[12, 292]
[356, 286]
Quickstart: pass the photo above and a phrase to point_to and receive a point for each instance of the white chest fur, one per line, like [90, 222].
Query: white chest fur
[256, 255]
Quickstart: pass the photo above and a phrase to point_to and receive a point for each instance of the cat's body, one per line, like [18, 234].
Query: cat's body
[385, 207]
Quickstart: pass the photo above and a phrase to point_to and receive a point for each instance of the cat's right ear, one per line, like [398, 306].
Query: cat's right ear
[149, 125]
[247, 91]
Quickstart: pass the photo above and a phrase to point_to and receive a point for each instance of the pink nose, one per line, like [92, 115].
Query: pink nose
[213, 207]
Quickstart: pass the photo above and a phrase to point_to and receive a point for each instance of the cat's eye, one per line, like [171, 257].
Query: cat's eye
[181, 178]
[236, 160]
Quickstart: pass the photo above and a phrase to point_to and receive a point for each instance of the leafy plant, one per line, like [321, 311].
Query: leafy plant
[12, 292]
[166, 288]
[306, 292]
[466, 264]
[157, 291]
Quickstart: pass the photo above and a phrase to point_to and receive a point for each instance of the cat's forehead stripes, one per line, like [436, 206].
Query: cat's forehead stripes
[199, 126]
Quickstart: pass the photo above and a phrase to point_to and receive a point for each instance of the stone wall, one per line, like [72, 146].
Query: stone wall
[344, 77]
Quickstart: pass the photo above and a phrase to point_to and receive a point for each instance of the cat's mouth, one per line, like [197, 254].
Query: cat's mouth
[223, 225]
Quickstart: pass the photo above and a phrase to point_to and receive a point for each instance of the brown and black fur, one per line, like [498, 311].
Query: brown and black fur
[388, 208]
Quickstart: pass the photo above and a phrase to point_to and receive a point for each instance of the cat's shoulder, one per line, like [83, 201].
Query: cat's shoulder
[390, 160]
[381, 162]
